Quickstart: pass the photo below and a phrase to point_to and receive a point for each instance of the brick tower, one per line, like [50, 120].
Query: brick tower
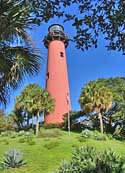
[57, 78]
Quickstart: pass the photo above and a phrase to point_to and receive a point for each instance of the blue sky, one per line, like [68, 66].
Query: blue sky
[82, 66]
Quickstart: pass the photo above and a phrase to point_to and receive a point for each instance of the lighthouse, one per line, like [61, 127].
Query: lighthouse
[57, 77]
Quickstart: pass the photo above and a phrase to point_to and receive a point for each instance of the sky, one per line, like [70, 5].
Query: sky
[82, 66]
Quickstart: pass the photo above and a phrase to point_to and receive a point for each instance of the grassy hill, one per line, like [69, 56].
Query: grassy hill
[50, 149]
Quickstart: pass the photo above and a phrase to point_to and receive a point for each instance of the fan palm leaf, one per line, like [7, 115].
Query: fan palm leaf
[96, 98]
[18, 57]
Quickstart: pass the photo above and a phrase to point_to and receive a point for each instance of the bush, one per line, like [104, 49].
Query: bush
[22, 140]
[5, 141]
[81, 139]
[51, 145]
[53, 125]
[29, 133]
[13, 159]
[88, 160]
[21, 133]
[99, 136]
[6, 133]
[13, 135]
[31, 142]
[50, 133]
[88, 134]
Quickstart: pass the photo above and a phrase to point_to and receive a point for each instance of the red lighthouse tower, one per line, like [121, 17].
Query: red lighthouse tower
[57, 78]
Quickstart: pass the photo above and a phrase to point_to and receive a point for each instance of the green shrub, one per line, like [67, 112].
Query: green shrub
[99, 136]
[22, 140]
[13, 135]
[21, 133]
[51, 145]
[88, 134]
[75, 145]
[13, 159]
[88, 160]
[6, 134]
[50, 133]
[81, 139]
[53, 125]
[31, 142]
[4, 141]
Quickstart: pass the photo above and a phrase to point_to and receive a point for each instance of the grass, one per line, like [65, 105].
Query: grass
[43, 159]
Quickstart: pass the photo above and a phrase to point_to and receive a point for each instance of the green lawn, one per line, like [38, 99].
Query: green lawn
[40, 159]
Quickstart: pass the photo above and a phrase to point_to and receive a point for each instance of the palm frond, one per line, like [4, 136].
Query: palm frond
[15, 64]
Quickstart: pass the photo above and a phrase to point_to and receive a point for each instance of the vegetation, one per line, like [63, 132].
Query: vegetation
[18, 56]
[102, 101]
[96, 98]
[33, 101]
[61, 147]
[89, 160]
[6, 123]
[100, 18]
[12, 159]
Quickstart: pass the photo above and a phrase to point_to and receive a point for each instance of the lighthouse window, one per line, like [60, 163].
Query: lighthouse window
[61, 54]
[47, 76]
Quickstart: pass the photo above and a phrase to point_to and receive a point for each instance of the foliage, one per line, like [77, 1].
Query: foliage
[6, 123]
[13, 159]
[31, 142]
[22, 140]
[33, 101]
[74, 115]
[48, 160]
[114, 118]
[94, 18]
[4, 141]
[96, 98]
[88, 134]
[50, 133]
[89, 19]
[18, 56]
[87, 159]
[17, 52]
[51, 145]
[53, 125]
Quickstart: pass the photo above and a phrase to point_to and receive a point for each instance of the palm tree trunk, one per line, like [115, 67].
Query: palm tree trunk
[37, 124]
[32, 121]
[27, 120]
[101, 122]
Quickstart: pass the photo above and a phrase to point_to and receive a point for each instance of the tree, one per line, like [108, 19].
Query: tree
[74, 116]
[95, 18]
[6, 123]
[18, 57]
[116, 115]
[16, 17]
[34, 100]
[96, 98]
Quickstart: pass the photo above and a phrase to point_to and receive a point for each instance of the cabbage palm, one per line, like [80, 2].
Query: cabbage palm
[35, 100]
[18, 57]
[96, 98]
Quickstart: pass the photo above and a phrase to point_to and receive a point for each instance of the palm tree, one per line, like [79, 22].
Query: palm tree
[18, 57]
[96, 98]
[35, 100]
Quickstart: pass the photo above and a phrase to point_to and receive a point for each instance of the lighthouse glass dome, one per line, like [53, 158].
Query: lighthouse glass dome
[56, 27]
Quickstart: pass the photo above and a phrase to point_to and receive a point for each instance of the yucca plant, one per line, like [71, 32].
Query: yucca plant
[13, 159]
[89, 160]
